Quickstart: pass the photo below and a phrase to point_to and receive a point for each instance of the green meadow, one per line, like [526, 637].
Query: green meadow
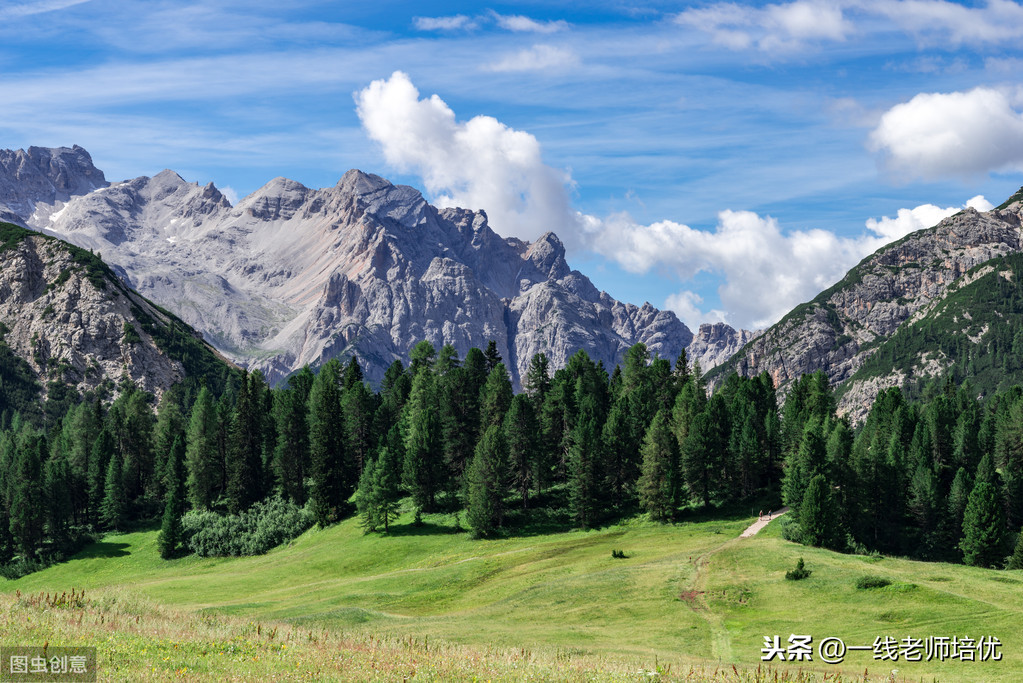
[687, 597]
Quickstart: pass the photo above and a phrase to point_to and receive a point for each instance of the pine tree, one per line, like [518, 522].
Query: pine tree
[57, 486]
[459, 424]
[659, 485]
[291, 456]
[420, 429]
[245, 455]
[6, 540]
[521, 428]
[803, 465]
[333, 482]
[819, 515]
[202, 453]
[1016, 559]
[491, 355]
[99, 460]
[495, 397]
[170, 424]
[538, 379]
[486, 481]
[136, 444]
[113, 510]
[28, 509]
[171, 532]
[958, 498]
[379, 492]
[357, 409]
[584, 465]
[984, 520]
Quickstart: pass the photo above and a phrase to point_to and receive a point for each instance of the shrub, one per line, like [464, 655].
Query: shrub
[870, 581]
[619, 554]
[263, 526]
[799, 573]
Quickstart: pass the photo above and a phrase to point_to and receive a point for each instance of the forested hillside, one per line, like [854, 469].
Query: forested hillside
[239, 472]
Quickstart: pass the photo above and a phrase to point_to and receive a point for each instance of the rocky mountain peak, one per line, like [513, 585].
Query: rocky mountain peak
[547, 254]
[358, 182]
[45, 175]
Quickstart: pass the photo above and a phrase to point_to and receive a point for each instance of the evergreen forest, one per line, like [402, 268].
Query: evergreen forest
[241, 467]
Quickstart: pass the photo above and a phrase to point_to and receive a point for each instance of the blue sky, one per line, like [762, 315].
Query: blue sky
[725, 160]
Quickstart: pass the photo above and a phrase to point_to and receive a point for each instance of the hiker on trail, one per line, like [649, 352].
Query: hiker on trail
[761, 515]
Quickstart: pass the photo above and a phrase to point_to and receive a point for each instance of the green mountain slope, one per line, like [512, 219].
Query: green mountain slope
[845, 325]
[975, 333]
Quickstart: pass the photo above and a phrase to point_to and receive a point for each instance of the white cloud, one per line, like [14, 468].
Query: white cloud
[770, 28]
[24, 9]
[792, 25]
[452, 23]
[941, 22]
[230, 193]
[686, 305]
[537, 58]
[910, 220]
[521, 24]
[958, 134]
[476, 164]
[765, 271]
[481, 163]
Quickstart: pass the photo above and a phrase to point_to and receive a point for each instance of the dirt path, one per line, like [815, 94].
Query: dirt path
[761, 523]
[721, 646]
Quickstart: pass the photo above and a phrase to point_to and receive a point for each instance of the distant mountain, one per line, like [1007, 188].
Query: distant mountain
[293, 275]
[67, 321]
[715, 343]
[891, 320]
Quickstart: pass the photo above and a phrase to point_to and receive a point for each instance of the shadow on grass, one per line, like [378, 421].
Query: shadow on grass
[102, 549]
[422, 529]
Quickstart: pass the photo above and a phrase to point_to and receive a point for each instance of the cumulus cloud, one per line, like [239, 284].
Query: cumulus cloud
[476, 164]
[519, 23]
[906, 221]
[483, 164]
[452, 23]
[772, 27]
[537, 58]
[686, 305]
[957, 133]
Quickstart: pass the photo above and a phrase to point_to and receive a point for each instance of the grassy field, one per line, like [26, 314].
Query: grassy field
[545, 606]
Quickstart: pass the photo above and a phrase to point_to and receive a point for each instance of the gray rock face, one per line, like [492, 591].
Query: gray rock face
[67, 328]
[293, 275]
[842, 326]
[717, 342]
[44, 176]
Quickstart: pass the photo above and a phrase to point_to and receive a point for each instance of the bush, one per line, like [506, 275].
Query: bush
[619, 554]
[263, 526]
[799, 573]
[867, 582]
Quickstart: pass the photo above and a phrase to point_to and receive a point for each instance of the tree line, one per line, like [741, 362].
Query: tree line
[450, 434]
[939, 479]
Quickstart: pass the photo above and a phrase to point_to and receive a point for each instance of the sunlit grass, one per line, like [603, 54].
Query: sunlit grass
[688, 595]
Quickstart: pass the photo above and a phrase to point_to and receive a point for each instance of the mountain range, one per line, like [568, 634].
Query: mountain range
[292, 276]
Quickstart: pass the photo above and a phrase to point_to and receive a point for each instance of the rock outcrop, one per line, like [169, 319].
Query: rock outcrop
[715, 343]
[74, 322]
[44, 176]
[846, 323]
